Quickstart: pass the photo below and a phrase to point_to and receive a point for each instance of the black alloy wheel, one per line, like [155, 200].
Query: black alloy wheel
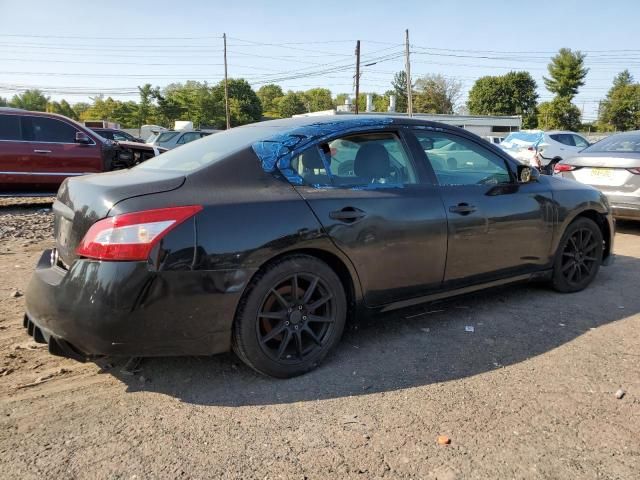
[296, 318]
[579, 256]
[291, 317]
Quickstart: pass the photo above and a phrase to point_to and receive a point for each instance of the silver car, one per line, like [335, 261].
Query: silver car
[174, 138]
[612, 165]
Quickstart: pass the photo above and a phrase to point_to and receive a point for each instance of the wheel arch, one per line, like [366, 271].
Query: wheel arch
[339, 264]
[601, 220]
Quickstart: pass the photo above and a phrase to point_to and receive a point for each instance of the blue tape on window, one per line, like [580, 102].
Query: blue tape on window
[275, 153]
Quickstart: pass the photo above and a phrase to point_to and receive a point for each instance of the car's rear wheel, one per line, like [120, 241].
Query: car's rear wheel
[291, 317]
[578, 257]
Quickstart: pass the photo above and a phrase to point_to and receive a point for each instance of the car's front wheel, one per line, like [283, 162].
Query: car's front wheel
[578, 257]
[291, 317]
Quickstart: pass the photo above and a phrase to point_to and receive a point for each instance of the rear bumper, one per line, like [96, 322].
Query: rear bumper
[124, 308]
[625, 210]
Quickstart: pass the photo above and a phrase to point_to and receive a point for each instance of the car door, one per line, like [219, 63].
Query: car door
[14, 154]
[372, 201]
[497, 227]
[55, 154]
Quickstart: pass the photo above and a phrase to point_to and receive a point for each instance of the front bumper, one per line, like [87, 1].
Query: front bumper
[125, 308]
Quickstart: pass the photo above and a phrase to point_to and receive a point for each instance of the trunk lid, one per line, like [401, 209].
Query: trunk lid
[82, 201]
[607, 171]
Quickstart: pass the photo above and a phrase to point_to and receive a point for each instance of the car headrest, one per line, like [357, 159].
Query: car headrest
[311, 159]
[372, 161]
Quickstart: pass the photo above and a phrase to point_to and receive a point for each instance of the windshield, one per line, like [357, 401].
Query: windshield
[166, 136]
[617, 143]
[208, 150]
[521, 138]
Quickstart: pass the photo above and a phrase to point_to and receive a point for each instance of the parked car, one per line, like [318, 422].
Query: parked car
[39, 150]
[174, 138]
[612, 165]
[266, 238]
[116, 134]
[543, 149]
[494, 139]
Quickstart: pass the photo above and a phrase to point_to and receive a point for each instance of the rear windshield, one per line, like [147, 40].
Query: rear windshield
[522, 137]
[194, 155]
[617, 143]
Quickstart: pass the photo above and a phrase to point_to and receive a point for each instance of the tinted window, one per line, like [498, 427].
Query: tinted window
[189, 137]
[579, 141]
[122, 136]
[563, 138]
[458, 161]
[10, 127]
[166, 136]
[105, 134]
[210, 150]
[51, 130]
[373, 159]
[617, 143]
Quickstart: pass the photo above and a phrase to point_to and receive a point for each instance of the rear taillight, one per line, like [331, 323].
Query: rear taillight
[561, 167]
[131, 236]
[531, 149]
[635, 171]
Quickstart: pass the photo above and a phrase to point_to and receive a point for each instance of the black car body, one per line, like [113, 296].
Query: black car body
[378, 203]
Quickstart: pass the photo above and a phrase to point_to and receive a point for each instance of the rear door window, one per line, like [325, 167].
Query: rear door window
[10, 127]
[52, 130]
[189, 137]
[579, 141]
[373, 160]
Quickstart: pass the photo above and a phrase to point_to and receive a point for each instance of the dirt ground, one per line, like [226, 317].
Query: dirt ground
[529, 394]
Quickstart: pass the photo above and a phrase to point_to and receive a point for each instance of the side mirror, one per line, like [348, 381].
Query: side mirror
[83, 139]
[527, 174]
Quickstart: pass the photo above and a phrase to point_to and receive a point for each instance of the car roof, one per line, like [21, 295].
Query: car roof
[296, 122]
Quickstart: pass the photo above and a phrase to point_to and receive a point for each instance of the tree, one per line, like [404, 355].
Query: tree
[33, 100]
[146, 108]
[510, 94]
[436, 94]
[244, 104]
[399, 85]
[340, 99]
[80, 108]
[318, 99]
[4, 102]
[567, 73]
[621, 108]
[63, 108]
[268, 95]
[290, 104]
[559, 114]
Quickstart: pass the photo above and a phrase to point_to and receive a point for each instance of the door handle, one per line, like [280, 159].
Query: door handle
[42, 151]
[462, 209]
[348, 214]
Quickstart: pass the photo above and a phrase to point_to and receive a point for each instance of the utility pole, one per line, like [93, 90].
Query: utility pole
[357, 73]
[408, 71]
[226, 87]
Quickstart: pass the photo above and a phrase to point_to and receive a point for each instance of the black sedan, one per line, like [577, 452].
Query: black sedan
[267, 238]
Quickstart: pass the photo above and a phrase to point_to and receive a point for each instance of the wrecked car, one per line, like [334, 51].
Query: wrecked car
[267, 238]
[39, 150]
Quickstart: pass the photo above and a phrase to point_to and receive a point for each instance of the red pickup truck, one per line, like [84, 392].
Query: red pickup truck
[39, 150]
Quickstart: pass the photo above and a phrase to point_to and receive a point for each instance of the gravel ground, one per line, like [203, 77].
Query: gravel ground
[530, 393]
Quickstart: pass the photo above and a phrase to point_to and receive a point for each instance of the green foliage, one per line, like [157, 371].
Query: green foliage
[436, 94]
[621, 108]
[268, 95]
[567, 73]
[4, 102]
[559, 114]
[290, 104]
[33, 100]
[146, 108]
[340, 98]
[399, 84]
[510, 94]
[63, 108]
[244, 104]
[80, 108]
[318, 99]
[124, 113]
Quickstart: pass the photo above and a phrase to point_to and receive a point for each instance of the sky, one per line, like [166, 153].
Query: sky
[76, 50]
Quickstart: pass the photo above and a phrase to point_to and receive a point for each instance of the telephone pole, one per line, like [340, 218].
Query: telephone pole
[408, 71]
[226, 87]
[357, 73]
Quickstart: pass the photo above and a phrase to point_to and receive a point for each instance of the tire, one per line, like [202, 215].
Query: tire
[578, 257]
[284, 331]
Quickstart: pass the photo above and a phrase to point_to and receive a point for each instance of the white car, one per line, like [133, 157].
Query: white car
[541, 149]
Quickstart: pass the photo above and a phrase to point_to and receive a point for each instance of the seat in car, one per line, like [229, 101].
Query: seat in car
[312, 163]
[372, 163]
